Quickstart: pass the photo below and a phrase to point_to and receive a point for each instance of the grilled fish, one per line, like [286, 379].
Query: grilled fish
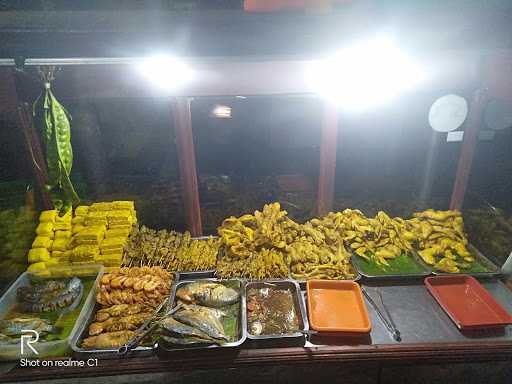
[203, 321]
[14, 327]
[208, 293]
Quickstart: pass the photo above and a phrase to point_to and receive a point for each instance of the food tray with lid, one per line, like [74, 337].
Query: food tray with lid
[289, 339]
[241, 322]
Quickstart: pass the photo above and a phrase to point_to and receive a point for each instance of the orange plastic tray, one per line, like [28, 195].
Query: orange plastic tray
[337, 307]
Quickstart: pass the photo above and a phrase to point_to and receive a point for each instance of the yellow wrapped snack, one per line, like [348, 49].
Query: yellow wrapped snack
[89, 222]
[66, 218]
[36, 267]
[112, 251]
[113, 242]
[85, 252]
[42, 242]
[102, 206]
[92, 233]
[62, 234]
[38, 254]
[123, 204]
[60, 244]
[117, 233]
[62, 226]
[57, 254]
[48, 216]
[77, 229]
[52, 261]
[45, 229]
[82, 210]
[120, 226]
[78, 220]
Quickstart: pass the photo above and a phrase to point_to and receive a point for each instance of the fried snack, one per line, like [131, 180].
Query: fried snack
[264, 264]
[108, 340]
[122, 323]
[441, 239]
[119, 310]
[170, 250]
[144, 285]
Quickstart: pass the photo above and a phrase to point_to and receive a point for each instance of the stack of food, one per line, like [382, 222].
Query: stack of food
[442, 241]
[255, 245]
[52, 238]
[318, 251]
[16, 236]
[380, 238]
[171, 250]
[101, 231]
[127, 296]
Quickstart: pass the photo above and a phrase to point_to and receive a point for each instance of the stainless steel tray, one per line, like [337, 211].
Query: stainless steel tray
[494, 270]
[394, 276]
[300, 310]
[109, 353]
[242, 326]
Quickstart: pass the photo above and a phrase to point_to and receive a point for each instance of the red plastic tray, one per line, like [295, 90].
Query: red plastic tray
[467, 302]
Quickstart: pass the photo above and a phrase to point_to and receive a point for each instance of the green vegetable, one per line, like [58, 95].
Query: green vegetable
[53, 121]
[403, 264]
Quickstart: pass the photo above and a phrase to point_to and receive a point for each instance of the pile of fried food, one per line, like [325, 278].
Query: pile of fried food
[269, 244]
[127, 297]
[441, 239]
[379, 238]
[199, 314]
[171, 250]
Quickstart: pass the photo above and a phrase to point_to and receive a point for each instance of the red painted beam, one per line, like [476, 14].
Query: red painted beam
[476, 109]
[187, 164]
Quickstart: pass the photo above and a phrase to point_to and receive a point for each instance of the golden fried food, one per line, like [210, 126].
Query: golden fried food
[441, 239]
[122, 323]
[107, 340]
[144, 285]
[171, 250]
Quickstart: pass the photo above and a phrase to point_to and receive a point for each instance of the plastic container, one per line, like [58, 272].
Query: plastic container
[467, 302]
[336, 306]
[47, 348]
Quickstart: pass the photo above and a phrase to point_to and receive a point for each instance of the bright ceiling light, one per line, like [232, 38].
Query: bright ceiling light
[221, 112]
[165, 72]
[364, 75]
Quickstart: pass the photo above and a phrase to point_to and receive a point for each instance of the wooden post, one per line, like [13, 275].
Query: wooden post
[34, 153]
[187, 164]
[467, 151]
[328, 144]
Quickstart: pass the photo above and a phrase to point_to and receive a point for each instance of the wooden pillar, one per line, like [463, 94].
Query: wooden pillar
[187, 164]
[328, 144]
[476, 109]
[34, 152]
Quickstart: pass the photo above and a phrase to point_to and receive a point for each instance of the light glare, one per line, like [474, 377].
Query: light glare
[222, 112]
[166, 72]
[364, 75]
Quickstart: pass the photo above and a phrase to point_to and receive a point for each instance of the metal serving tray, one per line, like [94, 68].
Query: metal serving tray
[394, 276]
[242, 326]
[300, 309]
[494, 270]
[109, 353]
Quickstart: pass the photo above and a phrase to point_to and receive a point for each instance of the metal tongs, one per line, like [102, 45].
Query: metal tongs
[142, 332]
[386, 320]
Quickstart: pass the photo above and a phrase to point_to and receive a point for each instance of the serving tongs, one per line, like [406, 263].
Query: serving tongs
[144, 330]
[386, 319]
